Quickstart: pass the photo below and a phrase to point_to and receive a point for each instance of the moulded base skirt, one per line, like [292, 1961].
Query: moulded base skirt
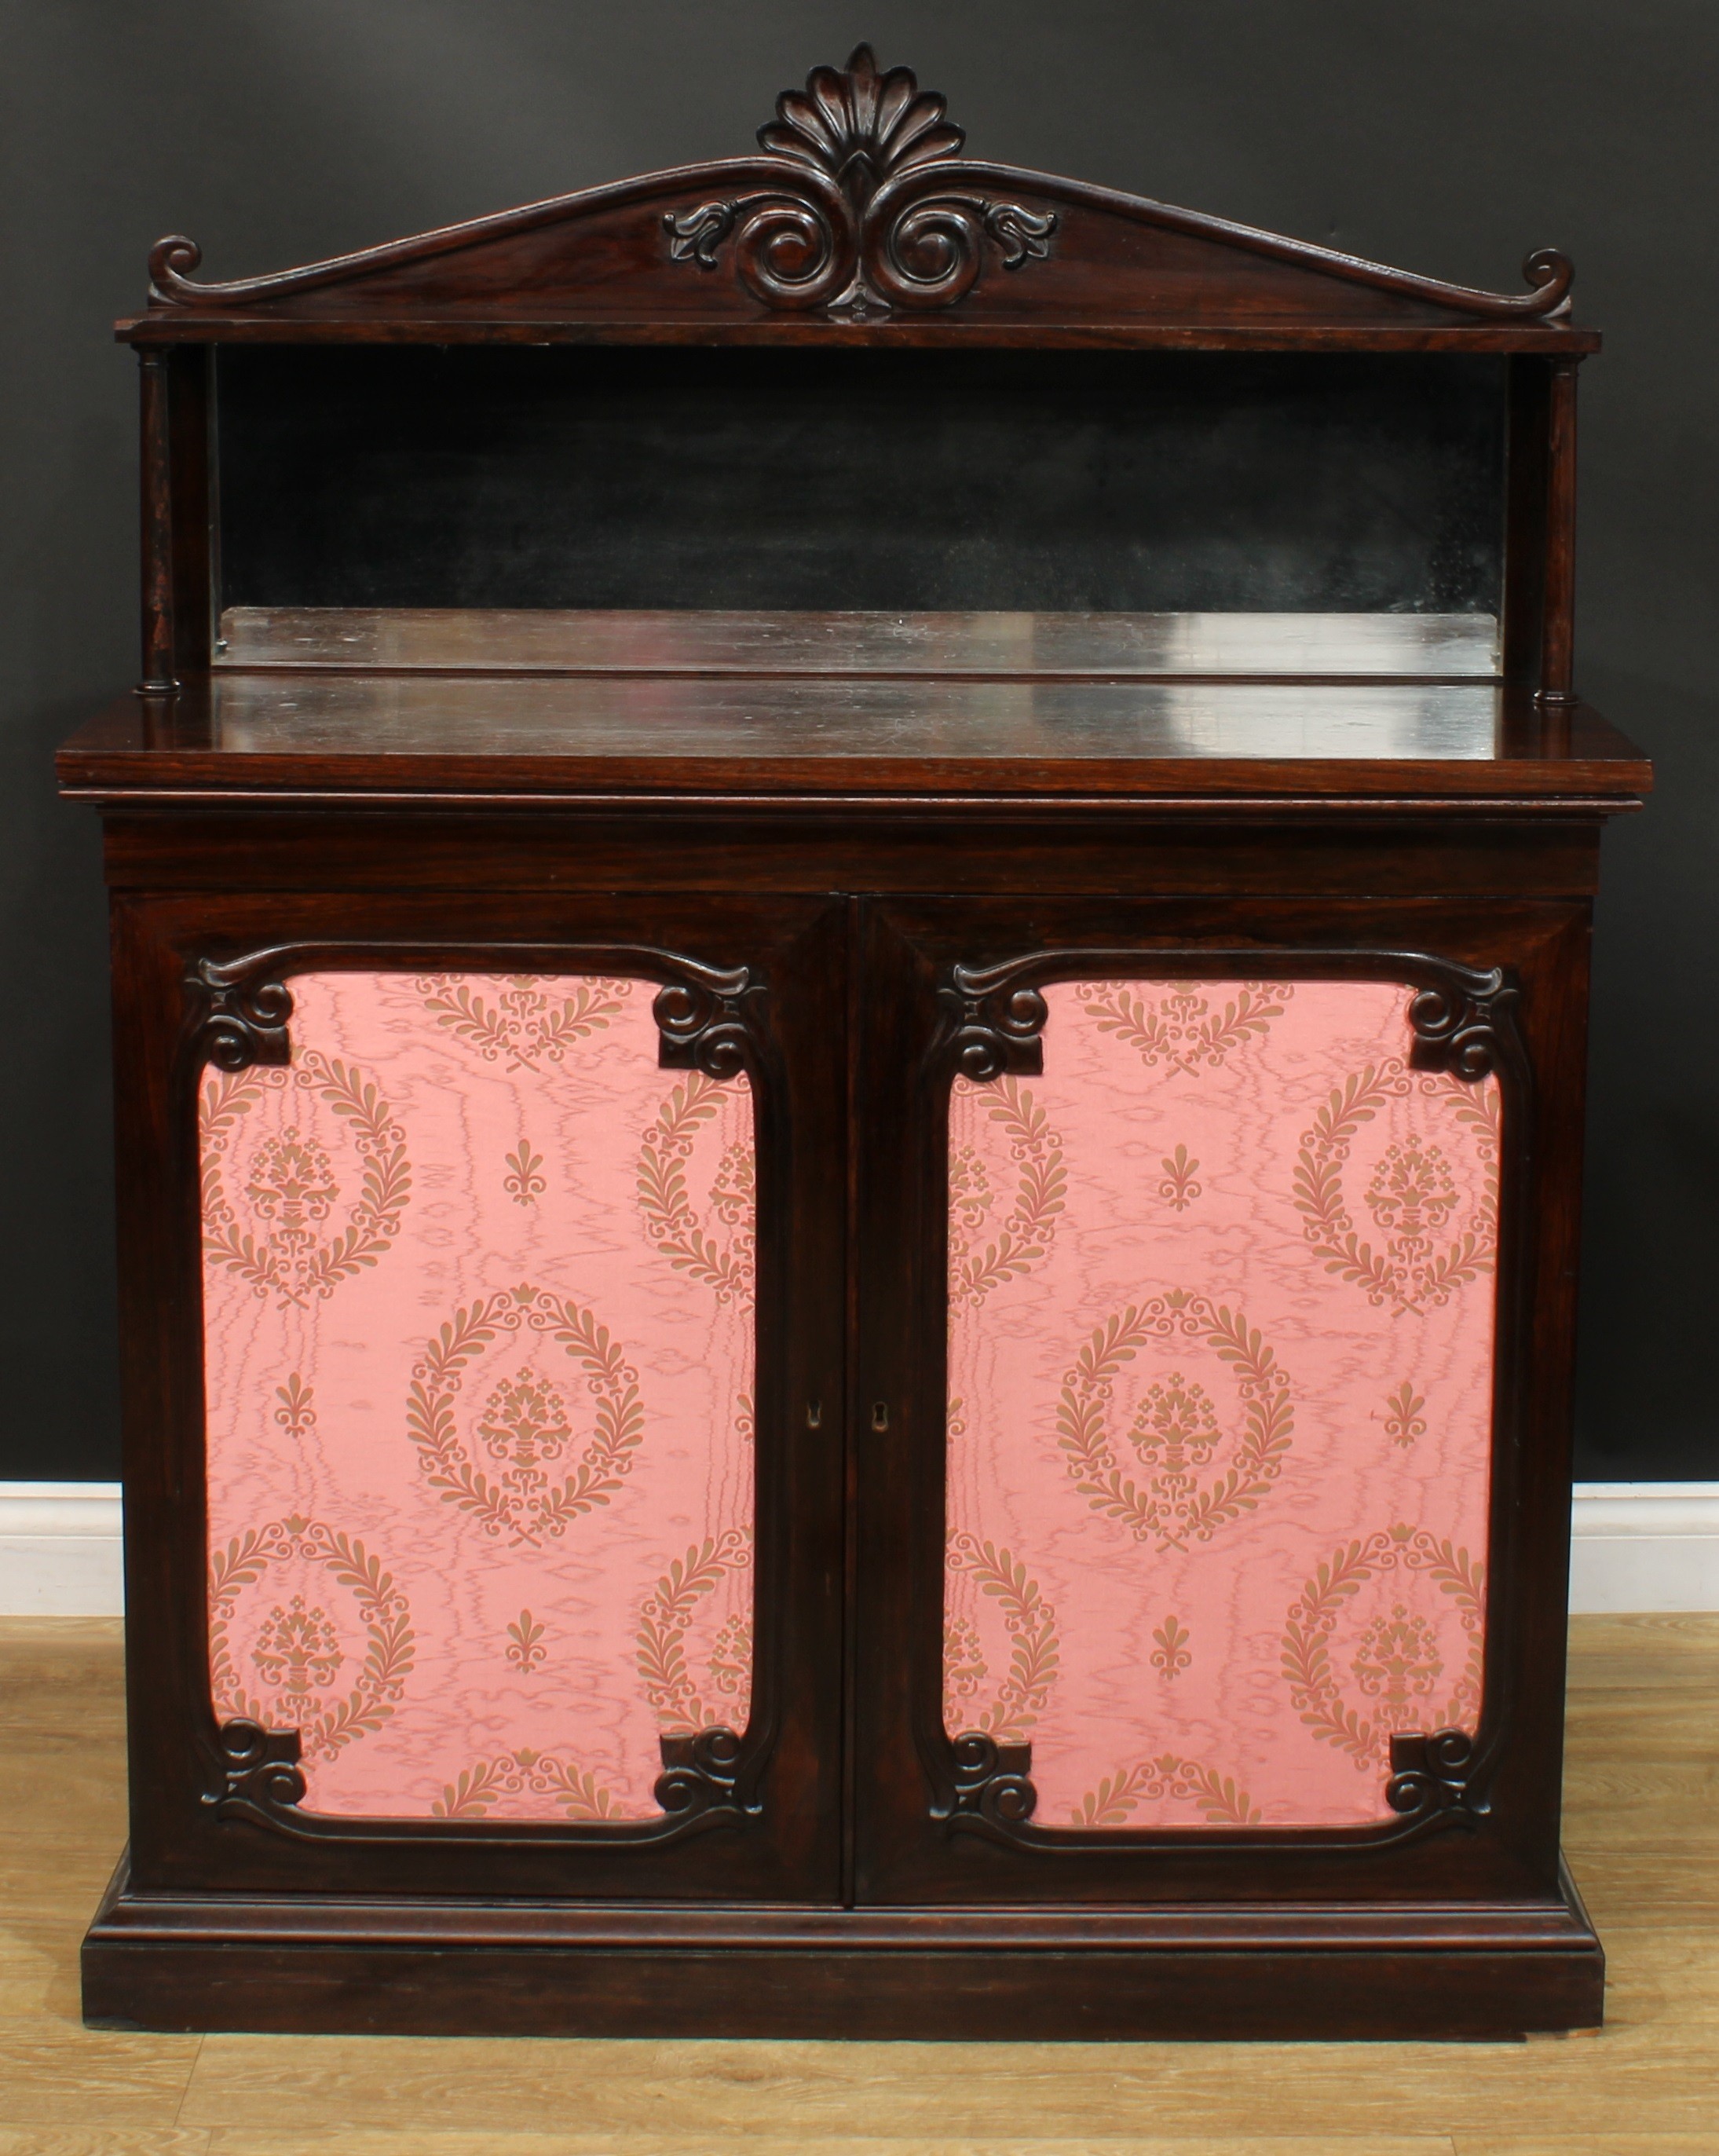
[1470, 1972]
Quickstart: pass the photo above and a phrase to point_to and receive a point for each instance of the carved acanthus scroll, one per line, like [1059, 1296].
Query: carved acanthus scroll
[857, 230]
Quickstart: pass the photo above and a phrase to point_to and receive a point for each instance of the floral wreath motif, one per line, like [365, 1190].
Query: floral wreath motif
[1176, 1428]
[1031, 1622]
[1412, 1195]
[661, 1639]
[306, 1639]
[515, 1773]
[1180, 1028]
[528, 1425]
[1025, 1236]
[1186, 1781]
[523, 1022]
[726, 1264]
[1397, 1663]
[292, 1187]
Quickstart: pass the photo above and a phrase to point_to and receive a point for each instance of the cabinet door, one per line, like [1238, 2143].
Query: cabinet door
[1211, 1465]
[480, 1543]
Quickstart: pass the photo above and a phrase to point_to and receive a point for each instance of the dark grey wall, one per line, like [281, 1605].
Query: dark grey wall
[1448, 135]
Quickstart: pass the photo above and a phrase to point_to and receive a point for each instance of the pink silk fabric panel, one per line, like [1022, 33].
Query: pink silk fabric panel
[478, 1298]
[1222, 1288]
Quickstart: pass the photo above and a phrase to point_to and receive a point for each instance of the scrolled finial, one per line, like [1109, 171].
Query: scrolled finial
[172, 261]
[1550, 272]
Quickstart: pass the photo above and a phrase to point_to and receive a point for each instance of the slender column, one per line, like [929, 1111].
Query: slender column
[1557, 634]
[154, 472]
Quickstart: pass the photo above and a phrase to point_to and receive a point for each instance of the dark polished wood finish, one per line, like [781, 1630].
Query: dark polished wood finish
[847, 847]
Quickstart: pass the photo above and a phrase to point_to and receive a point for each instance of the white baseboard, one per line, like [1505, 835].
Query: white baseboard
[1637, 1547]
[1645, 1545]
[59, 1550]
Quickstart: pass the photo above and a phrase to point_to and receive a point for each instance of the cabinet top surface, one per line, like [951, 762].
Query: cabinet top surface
[857, 222]
[321, 733]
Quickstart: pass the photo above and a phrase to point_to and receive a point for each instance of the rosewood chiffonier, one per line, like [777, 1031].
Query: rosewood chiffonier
[850, 902]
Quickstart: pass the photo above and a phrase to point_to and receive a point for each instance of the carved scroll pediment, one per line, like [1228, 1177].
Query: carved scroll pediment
[859, 205]
[882, 218]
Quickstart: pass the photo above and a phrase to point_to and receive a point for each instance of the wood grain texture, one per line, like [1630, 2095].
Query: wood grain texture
[858, 215]
[395, 737]
[1645, 2087]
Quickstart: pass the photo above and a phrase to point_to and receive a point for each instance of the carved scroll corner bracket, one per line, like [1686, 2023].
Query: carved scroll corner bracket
[1436, 1775]
[991, 1782]
[242, 1021]
[701, 1773]
[991, 1026]
[704, 1020]
[1463, 1025]
[257, 1774]
[873, 212]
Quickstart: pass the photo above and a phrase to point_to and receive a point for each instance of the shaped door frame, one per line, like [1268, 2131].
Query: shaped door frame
[953, 984]
[744, 985]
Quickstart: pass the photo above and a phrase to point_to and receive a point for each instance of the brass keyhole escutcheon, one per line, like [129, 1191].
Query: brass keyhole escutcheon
[880, 1415]
[814, 1414]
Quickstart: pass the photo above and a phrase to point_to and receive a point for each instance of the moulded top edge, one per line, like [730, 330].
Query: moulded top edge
[1548, 339]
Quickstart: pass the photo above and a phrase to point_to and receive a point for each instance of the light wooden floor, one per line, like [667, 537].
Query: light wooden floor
[1643, 1836]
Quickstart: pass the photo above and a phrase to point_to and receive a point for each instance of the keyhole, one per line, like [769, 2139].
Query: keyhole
[814, 1414]
[880, 1414]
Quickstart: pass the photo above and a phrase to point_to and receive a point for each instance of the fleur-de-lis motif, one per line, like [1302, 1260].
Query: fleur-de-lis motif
[525, 1649]
[297, 1412]
[1404, 1419]
[524, 1184]
[1178, 1189]
[1172, 1655]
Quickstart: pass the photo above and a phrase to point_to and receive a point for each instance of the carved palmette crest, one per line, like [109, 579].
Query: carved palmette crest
[877, 217]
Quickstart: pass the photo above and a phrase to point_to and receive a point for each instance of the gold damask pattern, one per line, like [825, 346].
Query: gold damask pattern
[664, 1621]
[1182, 1781]
[1171, 1653]
[526, 1019]
[722, 1261]
[1178, 1028]
[1030, 1624]
[291, 1250]
[1176, 1431]
[523, 1772]
[1041, 1190]
[1179, 1188]
[299, 1653]
[1403, 1420]
[526, 1423]
[525, 1643]
[1394, 1661]
[1412, 1194]
[524, 1182]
